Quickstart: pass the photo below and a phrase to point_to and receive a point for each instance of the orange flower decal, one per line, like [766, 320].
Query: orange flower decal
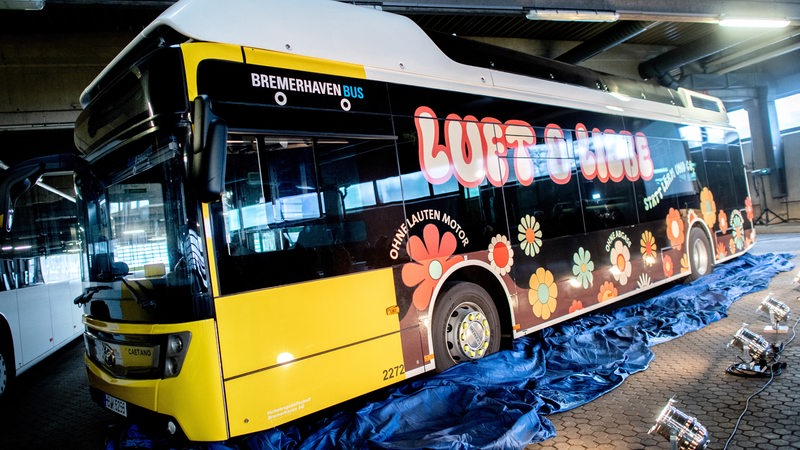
[675, 228]
[607, 292]
[748, 208]
[669, 268]
[433, 258]
[721, 251]
[723, 221]
[576, 305]
[708, 207]
[685, 263]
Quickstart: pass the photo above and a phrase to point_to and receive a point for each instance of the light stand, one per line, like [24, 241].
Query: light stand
[778, 312]
[682, 431]
[763, 218]
[763, 355]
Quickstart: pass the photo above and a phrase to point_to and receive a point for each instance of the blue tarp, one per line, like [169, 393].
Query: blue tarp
[502, 401]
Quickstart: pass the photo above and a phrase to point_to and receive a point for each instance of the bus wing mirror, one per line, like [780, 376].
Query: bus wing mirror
[19, 178]
[209, 147]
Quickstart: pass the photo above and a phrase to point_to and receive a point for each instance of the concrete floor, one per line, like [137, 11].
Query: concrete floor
[692, 369]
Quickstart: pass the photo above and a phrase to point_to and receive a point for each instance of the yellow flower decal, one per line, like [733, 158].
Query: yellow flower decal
[543, 293]
[685, 263]
[648, 248]
[708, 207]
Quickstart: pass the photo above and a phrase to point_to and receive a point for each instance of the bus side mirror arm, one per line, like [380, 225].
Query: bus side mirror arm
[209, 148]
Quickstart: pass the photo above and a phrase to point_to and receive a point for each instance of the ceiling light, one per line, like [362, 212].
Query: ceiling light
[22, 4]
[685, 432]
[571, 15]
[754, 23]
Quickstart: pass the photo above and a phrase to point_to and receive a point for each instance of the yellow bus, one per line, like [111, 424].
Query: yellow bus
[286, 204]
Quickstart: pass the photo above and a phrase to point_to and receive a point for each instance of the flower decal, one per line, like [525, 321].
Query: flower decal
[685, 263]
[748, 208]
[432, 258]
[621, 262]
[691, 216]
[675, 228]
[607, 292]
[582, 267]
[737, 229]
[576, 305]
[501, 255]
[723, 221]
[708, 207]
[644, 280]
[721, 251]
[543, 293]
[669, 268]
[648, 248]
[530, 235]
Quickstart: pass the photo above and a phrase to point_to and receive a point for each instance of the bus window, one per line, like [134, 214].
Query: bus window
[307, 208]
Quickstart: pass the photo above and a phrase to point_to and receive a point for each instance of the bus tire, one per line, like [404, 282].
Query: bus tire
[466, 326]
[7, 369]
[701, 258]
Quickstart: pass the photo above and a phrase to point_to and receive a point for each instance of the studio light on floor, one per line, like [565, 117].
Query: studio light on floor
[763, 355]
[777, 311]
[681, 430]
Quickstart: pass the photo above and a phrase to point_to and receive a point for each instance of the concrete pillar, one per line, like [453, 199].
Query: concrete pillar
[767, 190]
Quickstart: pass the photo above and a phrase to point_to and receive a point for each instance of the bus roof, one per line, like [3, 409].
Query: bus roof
[393, 48]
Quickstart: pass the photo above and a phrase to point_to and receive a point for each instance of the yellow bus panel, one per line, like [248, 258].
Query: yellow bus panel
[195, 52]
[194, 396]
[260, 329]
[304, 63]
[278, 395]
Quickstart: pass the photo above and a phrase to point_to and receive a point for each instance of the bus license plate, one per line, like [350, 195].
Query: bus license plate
[118, 406]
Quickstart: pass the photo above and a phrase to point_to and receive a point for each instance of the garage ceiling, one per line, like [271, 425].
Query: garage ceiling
[675, 43]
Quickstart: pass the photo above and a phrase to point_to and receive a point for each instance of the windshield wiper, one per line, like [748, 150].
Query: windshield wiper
[86, 297]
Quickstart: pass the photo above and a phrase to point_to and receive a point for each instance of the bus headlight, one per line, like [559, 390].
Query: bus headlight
[176, 347]
[138, 356]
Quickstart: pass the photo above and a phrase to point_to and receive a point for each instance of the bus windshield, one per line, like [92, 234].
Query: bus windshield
[137, 241]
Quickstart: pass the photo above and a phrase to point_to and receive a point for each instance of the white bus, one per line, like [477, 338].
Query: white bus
[40, 276]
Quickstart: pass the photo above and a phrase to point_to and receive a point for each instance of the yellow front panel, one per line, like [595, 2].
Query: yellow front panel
[193, 398]
[195, 52]
[259, 327]
[269, 398]
[304, 63]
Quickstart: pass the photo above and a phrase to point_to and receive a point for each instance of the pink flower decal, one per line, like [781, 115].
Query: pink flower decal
[433, 258]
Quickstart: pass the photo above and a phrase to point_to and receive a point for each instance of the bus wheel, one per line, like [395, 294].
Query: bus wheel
[700, 258]
[466, 326]
[6, 371]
